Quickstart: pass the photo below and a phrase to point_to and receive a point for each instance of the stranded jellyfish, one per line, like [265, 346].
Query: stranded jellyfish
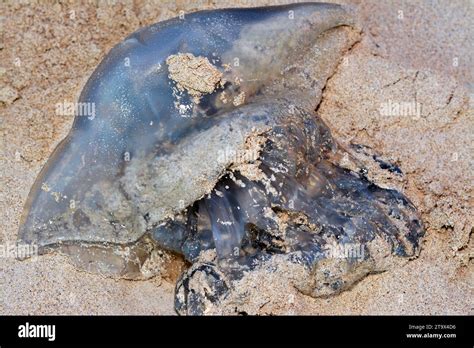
[204, 143]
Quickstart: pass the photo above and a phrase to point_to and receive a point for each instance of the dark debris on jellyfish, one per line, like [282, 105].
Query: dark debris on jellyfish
[205, 144]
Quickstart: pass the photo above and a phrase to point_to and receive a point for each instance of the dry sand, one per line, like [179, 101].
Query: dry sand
[47, 51]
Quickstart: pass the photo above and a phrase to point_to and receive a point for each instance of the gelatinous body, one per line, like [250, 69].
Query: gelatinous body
[204, 138]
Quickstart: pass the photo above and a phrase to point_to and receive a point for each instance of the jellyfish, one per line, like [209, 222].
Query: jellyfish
[198, 136]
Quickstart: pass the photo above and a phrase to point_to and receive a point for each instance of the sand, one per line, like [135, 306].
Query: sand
[47, 52]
